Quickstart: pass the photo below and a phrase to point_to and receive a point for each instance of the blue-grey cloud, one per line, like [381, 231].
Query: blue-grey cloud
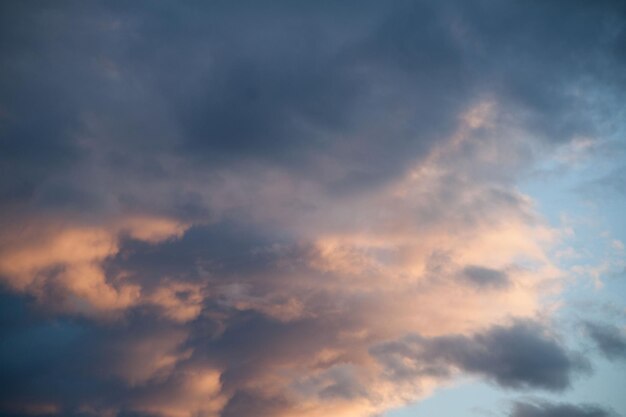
[485, 277]
[545, 409]
[518, 356]
[610, 340]
[367, 91]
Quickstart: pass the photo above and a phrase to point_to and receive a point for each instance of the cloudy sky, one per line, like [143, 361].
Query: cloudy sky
[312, 208]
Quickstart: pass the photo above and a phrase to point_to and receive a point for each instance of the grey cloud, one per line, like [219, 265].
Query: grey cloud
[610, 340]
[545, 409]
[70, 362]
[346, 385]
[519, 356]
[252, 404]
[369, 89]
[220, 250]
[485, 277]
[41, 361]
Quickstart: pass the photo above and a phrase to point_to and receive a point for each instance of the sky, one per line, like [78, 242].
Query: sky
[411, 208]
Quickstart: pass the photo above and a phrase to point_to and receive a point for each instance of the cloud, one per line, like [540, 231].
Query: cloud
[286, 323]
[521, 355]
[485, 277]
[544, 409]
[243, 403]
[62, 266]
[343, 97]
[610, 340]
[216, 209]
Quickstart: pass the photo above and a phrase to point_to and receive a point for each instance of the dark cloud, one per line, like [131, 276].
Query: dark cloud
[610, 340]
[221, 251]
[518, 356]
[39, 360]
[61, 364]
[142, 363]
[544, 409]
[250, 404]
[485, 277]
[366, 90]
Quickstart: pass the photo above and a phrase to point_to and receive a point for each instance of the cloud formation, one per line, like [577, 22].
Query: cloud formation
[288, 209]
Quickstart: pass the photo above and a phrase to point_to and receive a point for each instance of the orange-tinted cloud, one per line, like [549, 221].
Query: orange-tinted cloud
[62, 264]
